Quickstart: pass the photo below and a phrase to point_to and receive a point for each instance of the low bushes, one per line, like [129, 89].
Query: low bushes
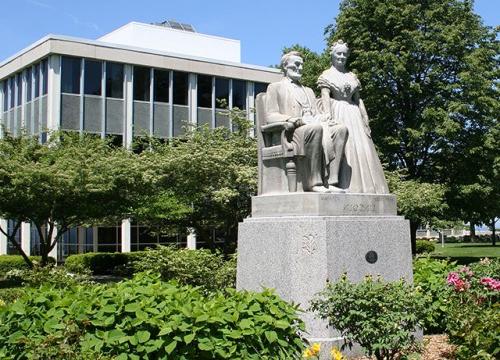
[381, 317]
[145, 318]
[430, 275]
[190, 267]
[101, 263]
[424, 246]
[16, 262]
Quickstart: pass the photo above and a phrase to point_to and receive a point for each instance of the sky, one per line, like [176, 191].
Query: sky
[264, 27]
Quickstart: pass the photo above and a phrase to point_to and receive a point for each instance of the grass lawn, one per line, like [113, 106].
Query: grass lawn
[465, 253]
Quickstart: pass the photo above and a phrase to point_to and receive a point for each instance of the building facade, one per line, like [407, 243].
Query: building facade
[140, 79]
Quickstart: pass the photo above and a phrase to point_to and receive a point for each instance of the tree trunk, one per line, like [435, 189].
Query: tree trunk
[12, 238]
[493, 232]
[472, 231]
[413, 236]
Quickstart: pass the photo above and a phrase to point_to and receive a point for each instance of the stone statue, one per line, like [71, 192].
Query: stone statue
[294, 105]
[360, 168]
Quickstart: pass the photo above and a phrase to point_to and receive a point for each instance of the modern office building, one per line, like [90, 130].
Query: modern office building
[139, 79]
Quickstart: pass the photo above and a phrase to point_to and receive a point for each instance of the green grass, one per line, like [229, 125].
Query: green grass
[465, 253]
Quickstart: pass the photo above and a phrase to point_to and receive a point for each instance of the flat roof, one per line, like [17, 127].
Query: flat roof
[72, 46]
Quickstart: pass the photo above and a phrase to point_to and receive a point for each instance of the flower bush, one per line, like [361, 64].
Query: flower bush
[474, 310]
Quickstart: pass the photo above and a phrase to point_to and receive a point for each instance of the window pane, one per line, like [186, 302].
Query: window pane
[12, 91]
[70, 75]
[259, 88]
[37, 80]
[205, 91]
[19, 89]
[141, 83]
[5, 86]
[29, 86]
[221, 93]
[180, 88]
[240, 94]
[114, 80]
[45, 78]
[93, 75]
[161, 85]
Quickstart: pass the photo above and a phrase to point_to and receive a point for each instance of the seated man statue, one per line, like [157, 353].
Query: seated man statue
[288, 101]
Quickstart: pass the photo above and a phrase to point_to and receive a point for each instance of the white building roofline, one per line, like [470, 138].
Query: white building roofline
[131, 48]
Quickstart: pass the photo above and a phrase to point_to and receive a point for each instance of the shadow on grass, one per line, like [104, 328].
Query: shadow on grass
[461, 260]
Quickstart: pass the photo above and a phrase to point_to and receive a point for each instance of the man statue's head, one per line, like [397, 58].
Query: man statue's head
[291, 64]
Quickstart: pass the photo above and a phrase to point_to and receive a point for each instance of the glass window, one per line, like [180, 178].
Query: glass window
[180, 88]
[204, 91]
[37, 80]
[12, 91]
[93, 76]
[114, 80]
[221, 93]
[162, 79]
[19, 89]
[240, 94]
[259, 88]
[45, 76]
[5, 87]
[141, 83]
[70, 75]
[29, 86]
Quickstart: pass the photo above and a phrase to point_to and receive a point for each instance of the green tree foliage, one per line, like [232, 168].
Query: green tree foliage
[421, 203]
[430, 75]
[205, 180]
[70, 181]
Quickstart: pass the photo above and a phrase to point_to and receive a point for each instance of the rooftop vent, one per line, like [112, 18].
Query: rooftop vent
[176, 25]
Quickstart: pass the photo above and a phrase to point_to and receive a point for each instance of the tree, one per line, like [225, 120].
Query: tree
[205, 181]
[72, 180]
[429, 71]
[421, 203]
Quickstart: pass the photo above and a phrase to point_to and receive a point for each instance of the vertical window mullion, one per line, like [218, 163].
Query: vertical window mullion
[151, 100]
[103, 98]
[171, 103]
[213, 102]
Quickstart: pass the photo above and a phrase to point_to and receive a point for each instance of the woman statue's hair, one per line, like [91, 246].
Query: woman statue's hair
[337, 44]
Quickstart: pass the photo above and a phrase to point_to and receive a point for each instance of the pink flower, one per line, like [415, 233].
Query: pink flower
[461, 285]
[467, 271]
[493, 284]
[452, 278]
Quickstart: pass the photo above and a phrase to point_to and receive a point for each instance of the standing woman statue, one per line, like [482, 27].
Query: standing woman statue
[360, 170]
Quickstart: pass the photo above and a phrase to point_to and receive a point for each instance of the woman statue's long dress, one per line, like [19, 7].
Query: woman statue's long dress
[360, 170]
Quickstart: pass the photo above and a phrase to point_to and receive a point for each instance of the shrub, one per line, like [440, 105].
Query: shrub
[101, 263]
[54, 276]
[474, 311]
[16, 262]
[424, 246]
[190, 267]
[381, 317]
[145, 318]
[430, 275]
[9, 295]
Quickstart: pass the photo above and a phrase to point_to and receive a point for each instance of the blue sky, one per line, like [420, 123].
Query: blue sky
[264, 27]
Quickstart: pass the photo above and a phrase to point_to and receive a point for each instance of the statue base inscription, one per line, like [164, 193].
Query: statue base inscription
[311, 238]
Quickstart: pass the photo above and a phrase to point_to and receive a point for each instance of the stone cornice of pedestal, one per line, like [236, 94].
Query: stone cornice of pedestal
[321, 204]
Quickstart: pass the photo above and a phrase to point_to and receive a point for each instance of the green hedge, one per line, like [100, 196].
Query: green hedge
[425, 246]
[145, 318]
[102, 263]
[16, 262]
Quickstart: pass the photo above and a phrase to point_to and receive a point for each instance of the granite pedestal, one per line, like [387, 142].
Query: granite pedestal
[295, 242]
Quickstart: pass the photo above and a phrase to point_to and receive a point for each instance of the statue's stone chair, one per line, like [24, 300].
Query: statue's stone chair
[277, 158]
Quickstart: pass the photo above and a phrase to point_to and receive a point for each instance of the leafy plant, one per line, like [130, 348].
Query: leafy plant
[425, 246]
[474, 311]
[16, 262]
[381, 317]
[430, 276]
[49, 275]
[145, 318]
[190, 267]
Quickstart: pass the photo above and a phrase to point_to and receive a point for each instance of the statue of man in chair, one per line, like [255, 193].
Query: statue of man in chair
[294, 105]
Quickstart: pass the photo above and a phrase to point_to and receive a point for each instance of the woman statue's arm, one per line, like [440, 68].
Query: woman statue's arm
[364, 116]
[325, 100]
